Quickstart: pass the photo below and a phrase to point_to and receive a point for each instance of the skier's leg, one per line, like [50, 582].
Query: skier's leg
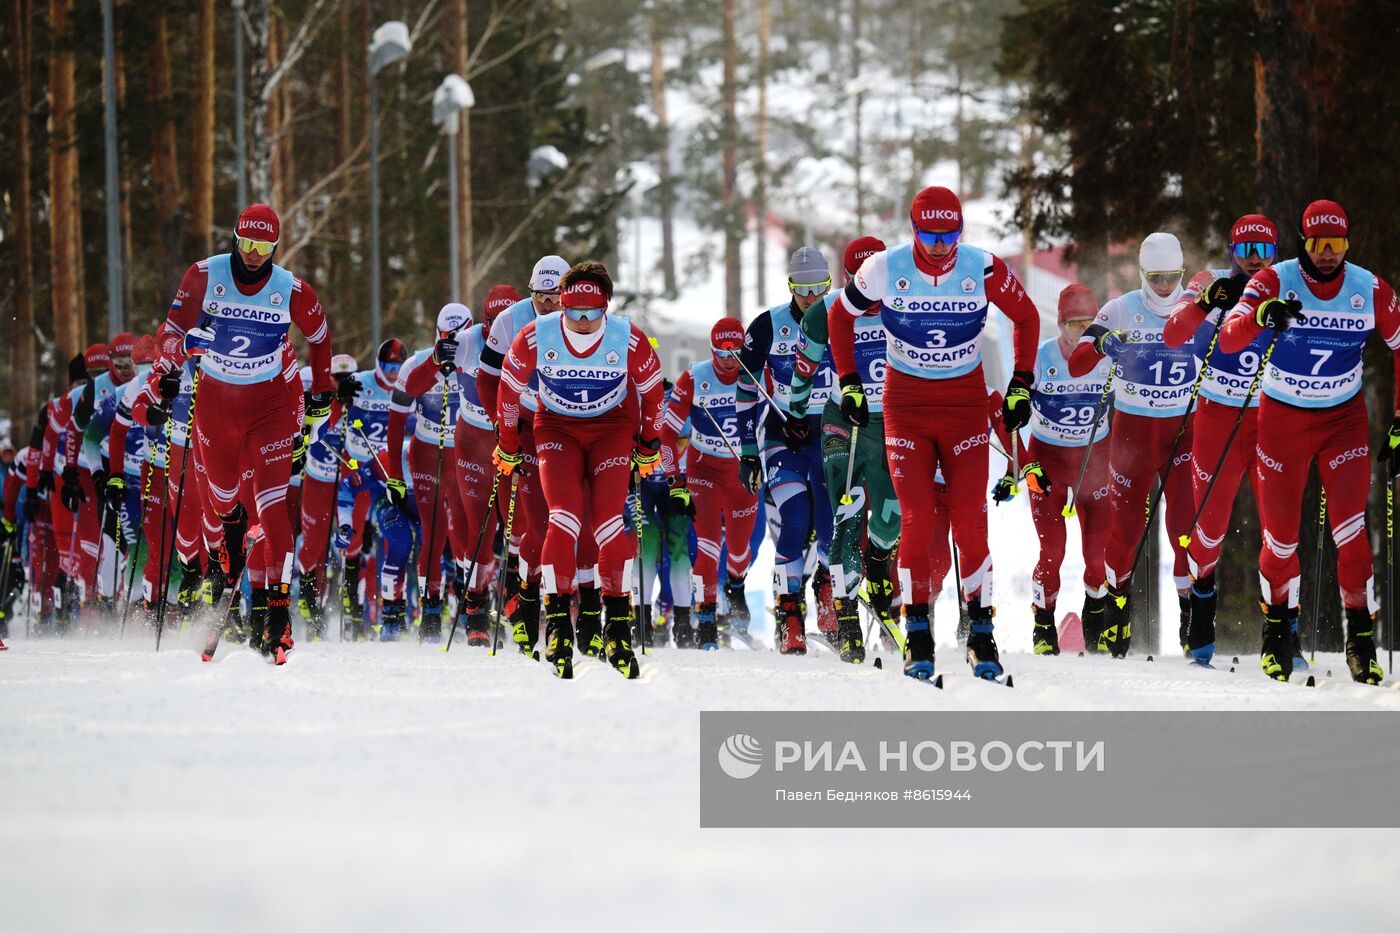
[423, 460]
[1213, 424]
[844, 555]
[562, 483]
[1047, 515]
[1179, 505]
[1284, 453]
[531, 526]
[1343, 462]
[317, 504]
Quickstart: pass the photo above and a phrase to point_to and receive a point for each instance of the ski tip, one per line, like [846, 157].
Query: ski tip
[1232, 668]
[1234, 660]
[1081, 654]
[879, 666]
[1149, 659]
[1311, 681]
[1329, 673]
[206, 658]
[1009, 681]
[938, 681]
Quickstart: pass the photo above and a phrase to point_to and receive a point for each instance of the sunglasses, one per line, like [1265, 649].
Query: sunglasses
[1262, 250]
[584, 314]
[937, 237]
[1157, 278]
[725, 352]
[552, 297]
[810, 288]
[261, 247]
[1320, 244]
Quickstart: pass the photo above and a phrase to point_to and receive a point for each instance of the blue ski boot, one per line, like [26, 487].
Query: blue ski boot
[706, 629]
[918, 642]
[1300, 663]
[981, 645]
[1200, 634]
[391, 620]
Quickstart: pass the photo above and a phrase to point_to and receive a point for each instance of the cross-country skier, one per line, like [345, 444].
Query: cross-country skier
[233, 311]
[872, 507]
[318, 487]
[1209, 295]
[1065, 407]
[708, 488]
[791, 461]
[423, 385]
[1323, 309]
[93, 418]
[1152, 391]
[935, 294]
[595, 370]
[530, 525]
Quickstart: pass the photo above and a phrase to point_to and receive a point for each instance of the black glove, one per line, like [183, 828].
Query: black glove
[853, 405]
[82, 412]
[115, 490]
[158, 413]
[46, 480]
[169, 385]
[299, 451]
[8, 530]
[99, 480]
[1004, 490]
[31, 505]
[1016, 406]
[1278, 313]
[1389, 454]
[445, 354]
[1224, 293]
[796, 432]
[397, 490]
[679, 500]
[347, 391]
[71, 494]
[751, 472]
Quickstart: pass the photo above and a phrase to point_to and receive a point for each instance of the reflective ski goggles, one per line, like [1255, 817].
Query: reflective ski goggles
[937, 237]
[810, 288]
[261, 247]
[1158, 278]
[584, 314]
[1262, 250]
[1321, 244]
[725, 352]
[390, 370]
[548, 297]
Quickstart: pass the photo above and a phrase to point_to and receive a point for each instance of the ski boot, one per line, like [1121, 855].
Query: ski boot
[1276, 655]
[706, 636]
[307, 599]
[981, 645]
[1361, 647]
[1045, 637]
[234, 554]
[524, 618]
[188, 596]
[391, 619]
[826, 612]
[680, 627]
[660, 627]
[617, 641]
[216, 582]
[879, 586]
[1300, 663]
[277, 639]
[430, 629]
[1091, 621]
[1117, 632]
[641, 628]
[350, 600]
[477, 610]
[918, 642]
[791, 636]
[738, 615]
[590, 621]
[1183, 625]
[1200, 630]
[559, 633]
[258, 610]
[850, 642]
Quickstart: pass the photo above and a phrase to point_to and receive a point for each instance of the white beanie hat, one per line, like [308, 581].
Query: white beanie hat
[547, 274]
[453, 316]
[1160, 252]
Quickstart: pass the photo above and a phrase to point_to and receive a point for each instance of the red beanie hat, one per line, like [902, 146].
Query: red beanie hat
[859, 250]
[258, 222]
[936, 208]
[97, 357]
[498, 299]
[1253, 228]
[1077, 303]
[1324, 218]
[122, 344]
[727, 334]
[145, 350]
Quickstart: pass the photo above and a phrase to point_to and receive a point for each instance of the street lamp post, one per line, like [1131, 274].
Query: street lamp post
[109, 125]
[452, 97]
[389, 44]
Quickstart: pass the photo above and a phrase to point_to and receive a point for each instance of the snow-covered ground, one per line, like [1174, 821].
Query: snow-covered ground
[395, 787]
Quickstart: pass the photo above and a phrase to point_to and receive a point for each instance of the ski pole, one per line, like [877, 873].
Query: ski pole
[505, 564]
[357, 424]
[1015, 462]
[643, 635]
[140, 530]
[850, 464]
[1071, 505]
[758, 384]
[185, 479]
[1244, 410]
[481, 536]
[1390, 575]
[964, 620]
[1317, 571]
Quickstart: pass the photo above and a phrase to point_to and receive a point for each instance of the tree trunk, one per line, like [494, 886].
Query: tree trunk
[1286, 178]
[202, 192]
[272, 119]
[463, 168]
[760, 168]
[856, 160]
[23, 385]
[733, 219]
[125, 167]
[69, 330]
[165, 166]
[259, 19]
[666, 190]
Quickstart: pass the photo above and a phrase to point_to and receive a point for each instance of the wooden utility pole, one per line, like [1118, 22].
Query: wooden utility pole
[729, 197]
[65, 225]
